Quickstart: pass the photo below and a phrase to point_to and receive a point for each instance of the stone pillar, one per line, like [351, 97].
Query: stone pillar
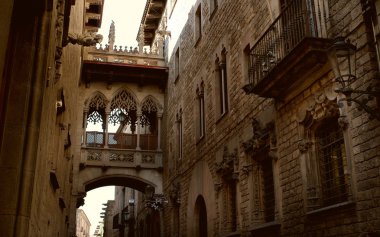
[159, 118]
[139, 113]
[105, 129]
[85, 114]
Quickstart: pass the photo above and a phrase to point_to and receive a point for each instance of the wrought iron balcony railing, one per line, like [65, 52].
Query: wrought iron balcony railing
[300, 19]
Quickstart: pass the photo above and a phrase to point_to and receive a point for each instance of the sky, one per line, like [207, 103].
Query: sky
[127, 17]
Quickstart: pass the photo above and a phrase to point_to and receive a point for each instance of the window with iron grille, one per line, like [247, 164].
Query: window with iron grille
[332, 163]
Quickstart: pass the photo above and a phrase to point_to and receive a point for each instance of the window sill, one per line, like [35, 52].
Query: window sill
[232, 234]
[265, 226]
[331, 208]
[221, 117]
[200, 139]
[213, 13]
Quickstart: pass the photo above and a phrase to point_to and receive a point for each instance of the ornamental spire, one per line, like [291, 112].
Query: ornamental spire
[111, 35]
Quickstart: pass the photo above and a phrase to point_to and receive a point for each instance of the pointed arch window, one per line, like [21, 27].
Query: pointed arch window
[149, 124]
[124, 114]
[96, 116]
[221, 84]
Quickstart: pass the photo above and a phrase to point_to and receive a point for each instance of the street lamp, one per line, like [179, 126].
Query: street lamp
[342, 56]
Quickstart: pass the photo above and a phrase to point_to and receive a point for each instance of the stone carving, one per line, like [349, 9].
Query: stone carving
[304, 145]
[85, 40]
[111, 35]
[226, 166]
[245, 170]
[264, 138]
[343, 122]
[95, 156]
[124, 157]
[147, 158]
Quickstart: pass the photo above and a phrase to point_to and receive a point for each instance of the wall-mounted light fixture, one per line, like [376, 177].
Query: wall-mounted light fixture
[342, 56]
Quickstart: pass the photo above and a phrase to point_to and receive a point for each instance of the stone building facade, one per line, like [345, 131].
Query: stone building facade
[259, 142]
[83, 224]
[41, 43]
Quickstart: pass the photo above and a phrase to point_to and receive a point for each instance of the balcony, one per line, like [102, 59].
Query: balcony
[121, 141]
[293, 48]
[121, 150]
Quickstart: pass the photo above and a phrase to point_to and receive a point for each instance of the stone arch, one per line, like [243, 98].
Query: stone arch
[97, 99]
[201, 184]
[200, 217]
[118, 180]
[150, 101]
[92, 178]
[123, 101]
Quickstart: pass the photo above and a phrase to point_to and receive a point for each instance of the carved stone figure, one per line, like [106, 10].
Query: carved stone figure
[85, 40]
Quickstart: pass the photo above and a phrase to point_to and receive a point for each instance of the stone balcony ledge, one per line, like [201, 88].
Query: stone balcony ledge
[111, 157]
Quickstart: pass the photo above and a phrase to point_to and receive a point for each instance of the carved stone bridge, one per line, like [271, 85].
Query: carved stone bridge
[109, 166]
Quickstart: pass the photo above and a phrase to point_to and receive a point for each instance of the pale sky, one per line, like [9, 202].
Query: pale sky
[127, 17]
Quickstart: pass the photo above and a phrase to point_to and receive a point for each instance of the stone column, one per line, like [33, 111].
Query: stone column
[85, 114]
[105, 129]
[159, 118]
[138, 122]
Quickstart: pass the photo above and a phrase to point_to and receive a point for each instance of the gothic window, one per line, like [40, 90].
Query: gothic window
[149, 116]
[221, 84]
[332, 162]
[124, 115]
[179, 134]
[95, 115]
[198, 24]
[200, 111]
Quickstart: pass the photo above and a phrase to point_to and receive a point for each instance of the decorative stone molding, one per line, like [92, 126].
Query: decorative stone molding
[147, 158]
[94, 156]
[227, 166]
[343, 122]
[125, 157]
[174, 193]
[304, 145]
[245, 170]
[320, 106]
[263, 139]
[218, 187]
[85, 40]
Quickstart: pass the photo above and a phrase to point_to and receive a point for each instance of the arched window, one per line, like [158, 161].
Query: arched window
[124, 115]
[149, 124]
[95, 121]
[200, 217]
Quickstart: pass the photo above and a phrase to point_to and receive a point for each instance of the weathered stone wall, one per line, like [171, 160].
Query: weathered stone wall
[234, 25]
